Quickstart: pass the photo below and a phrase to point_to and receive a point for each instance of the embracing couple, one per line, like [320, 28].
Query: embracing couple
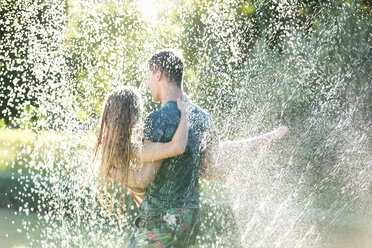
[179, 145]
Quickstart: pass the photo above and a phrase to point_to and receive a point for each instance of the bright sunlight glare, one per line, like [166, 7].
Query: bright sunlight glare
[148, 9]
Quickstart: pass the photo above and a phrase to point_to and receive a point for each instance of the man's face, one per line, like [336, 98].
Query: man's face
[153, 84]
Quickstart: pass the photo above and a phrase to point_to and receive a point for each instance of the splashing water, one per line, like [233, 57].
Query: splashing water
[253, 65]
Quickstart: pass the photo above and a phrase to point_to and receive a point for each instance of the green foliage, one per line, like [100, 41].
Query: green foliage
[24, 66]
[106, 45]
[101, 46]
[318, 87]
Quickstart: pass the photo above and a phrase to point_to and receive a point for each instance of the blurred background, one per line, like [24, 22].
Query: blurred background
[252, 65]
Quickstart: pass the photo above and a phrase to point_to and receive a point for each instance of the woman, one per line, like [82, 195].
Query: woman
[117, 148]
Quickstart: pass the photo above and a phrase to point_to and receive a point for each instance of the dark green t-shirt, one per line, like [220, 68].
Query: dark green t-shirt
[177, 181]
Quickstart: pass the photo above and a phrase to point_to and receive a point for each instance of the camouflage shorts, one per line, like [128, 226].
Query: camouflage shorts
[176, 227]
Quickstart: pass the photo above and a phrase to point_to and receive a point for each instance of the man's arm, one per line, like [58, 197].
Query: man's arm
[217, 163]
[211, 170]
[237, 147]
[137, 177]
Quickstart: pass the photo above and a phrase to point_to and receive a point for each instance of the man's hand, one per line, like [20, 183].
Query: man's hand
[281, 131]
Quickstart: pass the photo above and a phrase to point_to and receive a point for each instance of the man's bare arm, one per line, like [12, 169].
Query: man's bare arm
[140, 177]
[137, 177]
[211, 170]
[239, 146]
[217, 163]
[143, 177]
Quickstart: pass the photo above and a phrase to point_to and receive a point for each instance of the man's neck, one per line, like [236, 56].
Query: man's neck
[170, 93]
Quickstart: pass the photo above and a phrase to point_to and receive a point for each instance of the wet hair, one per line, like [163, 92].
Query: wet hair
[170, 64]
[122, 109]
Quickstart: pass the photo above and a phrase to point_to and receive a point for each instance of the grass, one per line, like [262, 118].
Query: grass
[26, 230]
[30, 230]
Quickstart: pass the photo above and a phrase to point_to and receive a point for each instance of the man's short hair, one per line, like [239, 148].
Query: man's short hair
[170, 64]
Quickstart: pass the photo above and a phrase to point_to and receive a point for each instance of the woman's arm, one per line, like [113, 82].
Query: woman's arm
[152, 153]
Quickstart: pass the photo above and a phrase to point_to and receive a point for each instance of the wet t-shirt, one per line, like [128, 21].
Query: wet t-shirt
[177, 181]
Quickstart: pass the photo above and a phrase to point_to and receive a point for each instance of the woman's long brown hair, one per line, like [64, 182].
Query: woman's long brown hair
[122, 110]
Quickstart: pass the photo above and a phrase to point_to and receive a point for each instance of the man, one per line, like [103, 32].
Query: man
[169, 214]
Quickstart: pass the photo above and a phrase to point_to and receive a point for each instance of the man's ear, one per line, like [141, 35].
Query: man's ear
[159, 75]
